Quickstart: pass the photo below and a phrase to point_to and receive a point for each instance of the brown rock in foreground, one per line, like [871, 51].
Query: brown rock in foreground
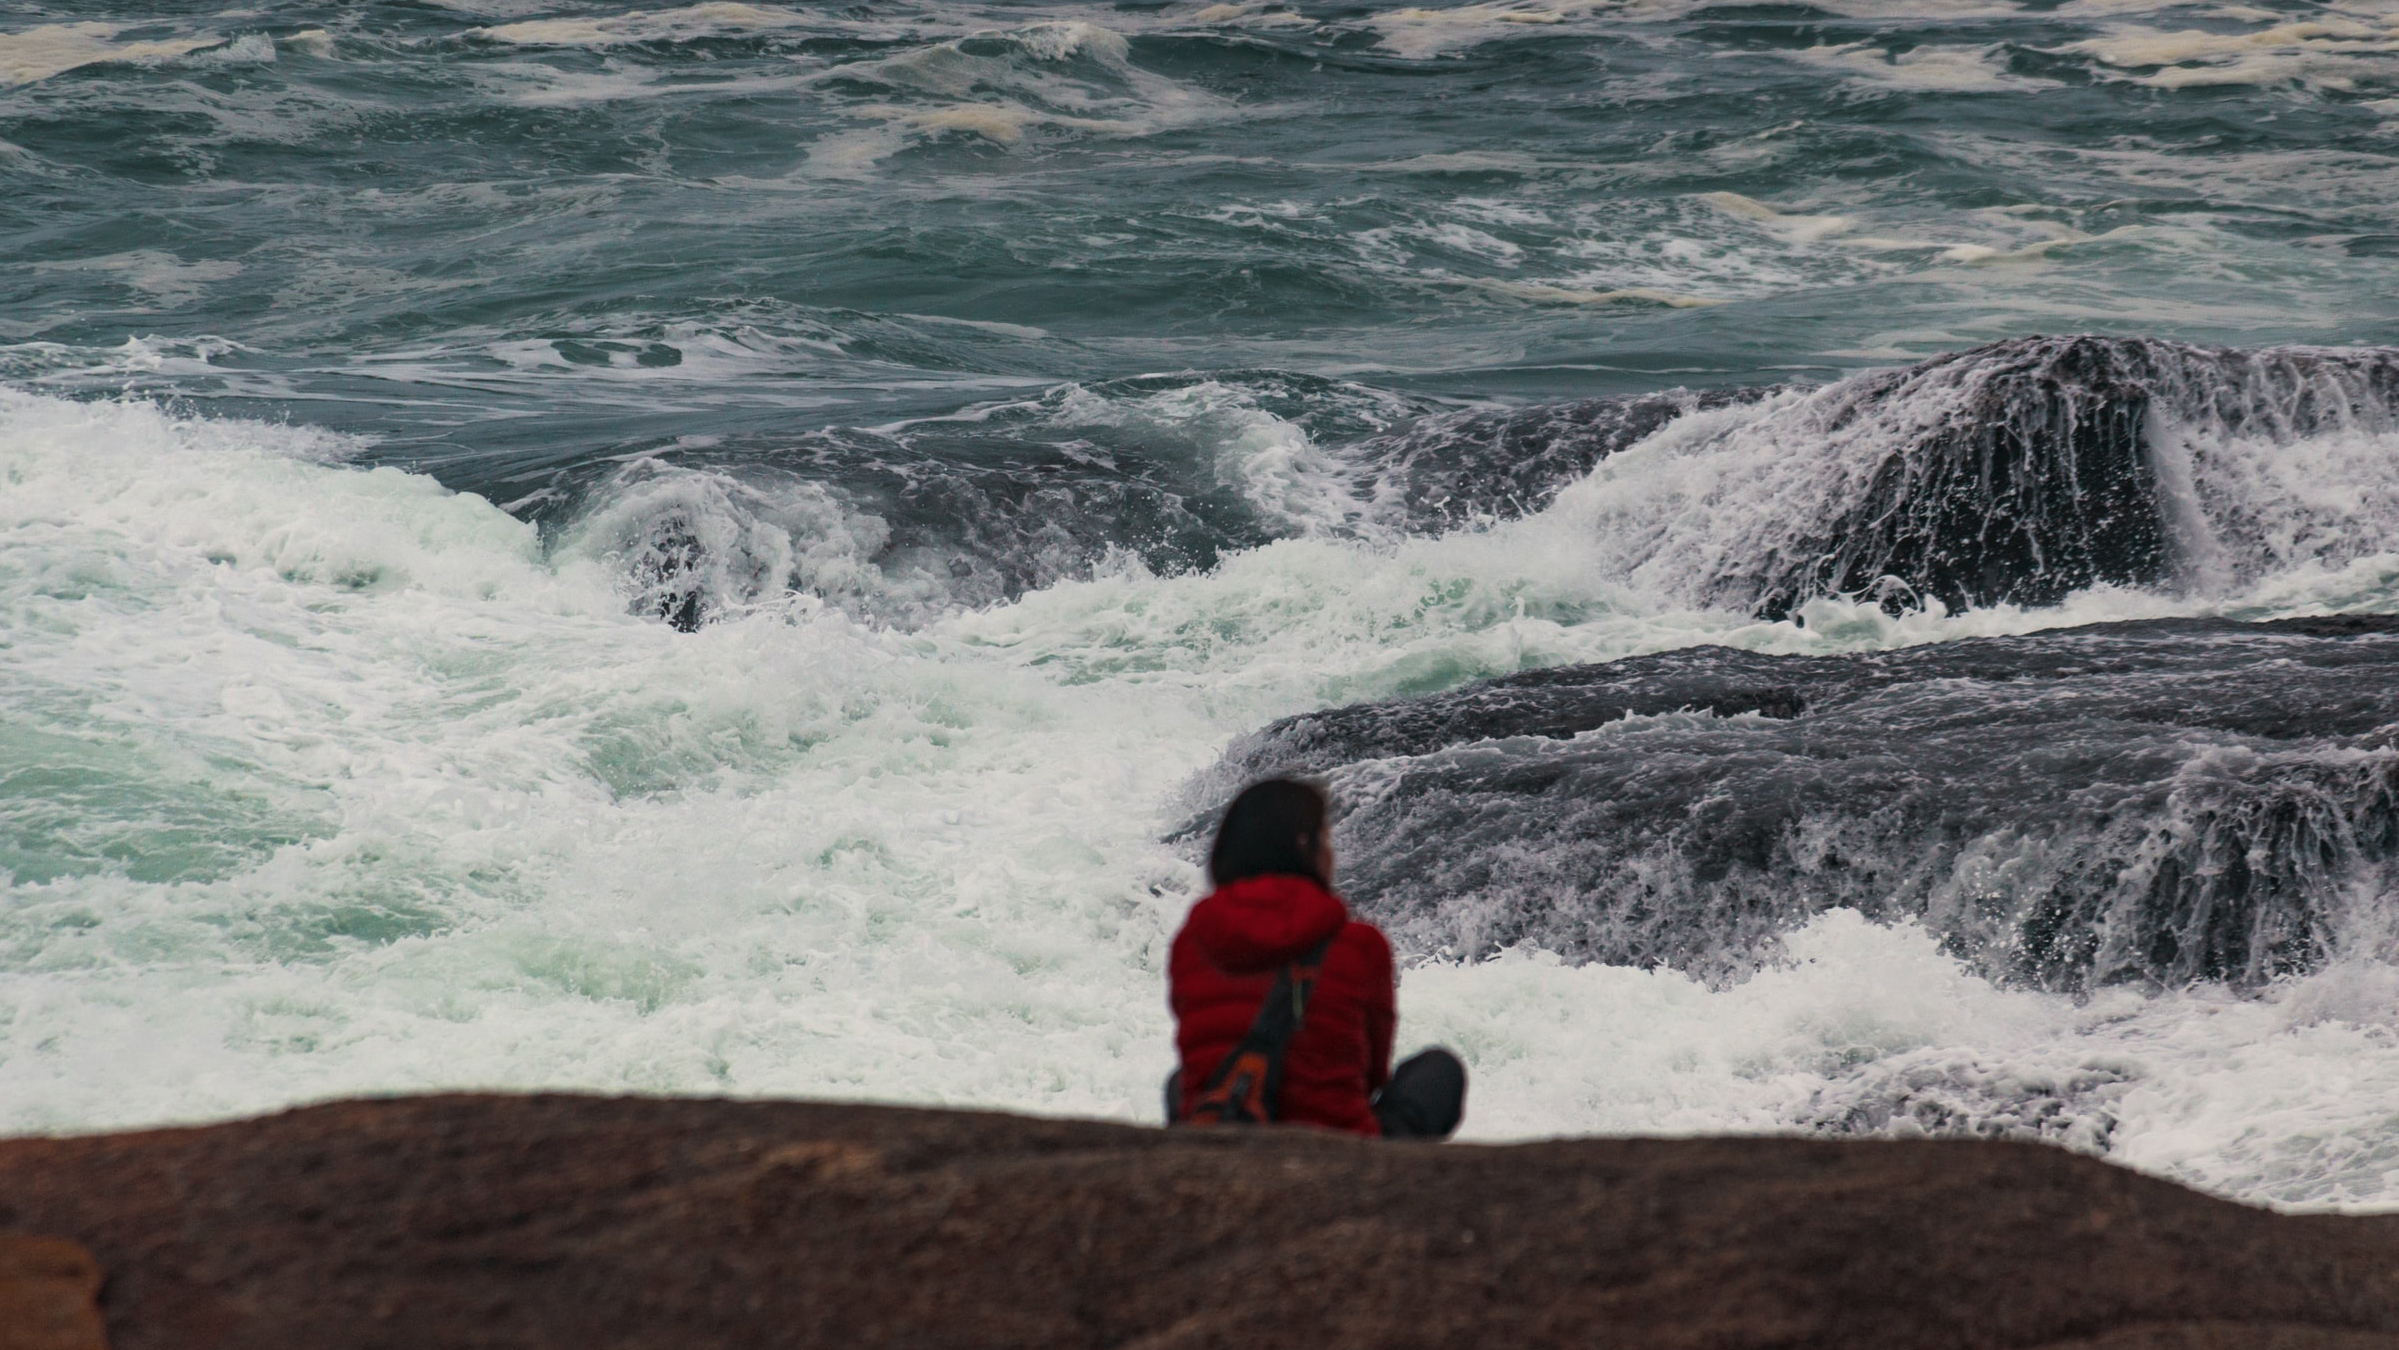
[586, 1222]
[47, 1292]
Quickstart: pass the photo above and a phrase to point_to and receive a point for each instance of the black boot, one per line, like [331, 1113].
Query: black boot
[1425, 1098]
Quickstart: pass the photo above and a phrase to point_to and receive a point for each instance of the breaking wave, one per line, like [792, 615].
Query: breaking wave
[2015, 474]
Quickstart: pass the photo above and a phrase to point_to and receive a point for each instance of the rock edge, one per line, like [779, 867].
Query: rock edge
[536, 1221]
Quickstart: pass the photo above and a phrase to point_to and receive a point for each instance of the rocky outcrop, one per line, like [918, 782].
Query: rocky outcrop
[2026, 470]
[592, 1222]
[2031, 482]
[2160, 802]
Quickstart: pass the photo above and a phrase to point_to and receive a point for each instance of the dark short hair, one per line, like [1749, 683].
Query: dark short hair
[1272, 827]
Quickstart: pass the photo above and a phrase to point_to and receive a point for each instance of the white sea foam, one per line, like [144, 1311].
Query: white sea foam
[1469, 162]
[113, 367]
[49, 49]
[1952, 70]
[1676, 252]
[1430, 32]
[1993, 237]
[715, 19]
[1067, 76]
[2332, 48]
[1933, 11]
[1275, 465]
[702, 545]
[473, 823]
[2333, 53]
[250, 49]
[154, 272]
[1801, 228]
[1418, 33]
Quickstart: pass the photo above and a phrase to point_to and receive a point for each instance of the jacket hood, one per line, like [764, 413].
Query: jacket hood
[1258, 923]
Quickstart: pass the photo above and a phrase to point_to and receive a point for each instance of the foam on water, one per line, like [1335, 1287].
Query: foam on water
[2289, 1099]
[1951, 69]
[1420, 32]
[472, 823]
[498, 819]
[1277, 467]
[1062, 76]
[154, 272]
[45, 50]
[692, 22]
[2335, 53]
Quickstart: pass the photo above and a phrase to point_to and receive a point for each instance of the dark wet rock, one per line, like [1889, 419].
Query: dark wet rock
[581, 1222]
[669, 576]
[2018, 473]
[2027, 470]
[1458, 469]
[2036, 485]
[2165, 801]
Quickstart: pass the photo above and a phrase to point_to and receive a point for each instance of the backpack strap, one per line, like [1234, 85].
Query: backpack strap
[1246, 1087]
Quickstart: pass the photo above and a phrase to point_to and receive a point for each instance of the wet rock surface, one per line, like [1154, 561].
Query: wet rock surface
[1465, 468]
[2159, 802]
[2026, 470]
[2019, 472]
[576, 1221]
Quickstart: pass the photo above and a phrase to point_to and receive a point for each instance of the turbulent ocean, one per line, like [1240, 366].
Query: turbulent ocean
[1832, 553]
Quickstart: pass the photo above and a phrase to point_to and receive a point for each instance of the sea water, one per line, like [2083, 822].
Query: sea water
[703, 548]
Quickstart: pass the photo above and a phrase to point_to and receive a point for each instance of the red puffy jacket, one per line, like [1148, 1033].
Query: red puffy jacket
[1225, 960]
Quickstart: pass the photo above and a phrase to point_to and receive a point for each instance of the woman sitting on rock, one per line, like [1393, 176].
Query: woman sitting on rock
[1274, 927]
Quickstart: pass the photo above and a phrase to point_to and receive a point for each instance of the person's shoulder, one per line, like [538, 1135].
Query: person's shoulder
[1361, 960]
[1365, 939]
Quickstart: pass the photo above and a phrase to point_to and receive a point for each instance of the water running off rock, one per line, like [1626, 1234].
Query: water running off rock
[2162, 802]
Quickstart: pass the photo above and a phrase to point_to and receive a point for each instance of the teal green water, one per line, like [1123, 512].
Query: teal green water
[508, 239]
